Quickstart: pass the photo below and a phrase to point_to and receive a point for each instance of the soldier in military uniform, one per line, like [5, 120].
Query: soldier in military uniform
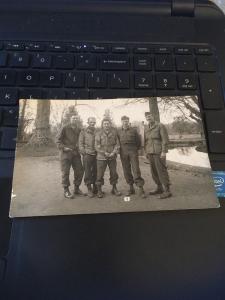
[87, 149]
[67, 142]
[130, 143]
[107, 147]
[156, 146]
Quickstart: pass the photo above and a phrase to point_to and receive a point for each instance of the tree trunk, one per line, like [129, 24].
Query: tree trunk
[153, 106]
[41, 135]
[21, 121]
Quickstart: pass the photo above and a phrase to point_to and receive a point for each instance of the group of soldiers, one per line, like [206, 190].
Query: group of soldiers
[99, 149]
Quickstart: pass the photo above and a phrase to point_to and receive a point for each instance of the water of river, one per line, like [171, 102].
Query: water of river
[189, 156]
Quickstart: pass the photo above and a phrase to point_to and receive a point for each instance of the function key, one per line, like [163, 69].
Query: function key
[14, 46]
[57, 47]
[99, 48]
[78, 47]
[35, 47]
[163, 50]
[203, 50]
[142, 49]
[120, 49]
[183, 50]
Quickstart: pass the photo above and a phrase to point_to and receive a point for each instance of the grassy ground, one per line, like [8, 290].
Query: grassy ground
[37, 186]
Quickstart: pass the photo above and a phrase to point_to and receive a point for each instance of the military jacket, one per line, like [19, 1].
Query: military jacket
[87, 141]
[106, 142]
[129, 139]
[68, 137]
[156, 139]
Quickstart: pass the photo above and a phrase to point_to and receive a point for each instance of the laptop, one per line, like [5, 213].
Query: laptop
[151, 255]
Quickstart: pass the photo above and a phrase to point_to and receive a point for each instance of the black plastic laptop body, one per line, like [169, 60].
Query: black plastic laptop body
[154, 255]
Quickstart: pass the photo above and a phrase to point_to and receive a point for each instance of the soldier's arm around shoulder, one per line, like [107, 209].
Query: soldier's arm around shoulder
[117, 145]
[59, 139]
[164, 137]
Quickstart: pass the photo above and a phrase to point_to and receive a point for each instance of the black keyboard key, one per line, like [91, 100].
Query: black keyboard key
[187, 81]
[203, 50]
[51, 78]
[3, 59]
[8, 96]
[28, 78]
[164, 63]
[8, 138]
[142, 49]
[57, 47]
[114, 62]
[142, 63]
[56, 94]
[211, 91]
[35, 46]
[215, 121]
[97, 80]
[86, 62]
[163, 50]
[1, 114]
[63, 61]
[10, 116]
[74, 79]
[165, 81]
[110, 94]
[185, 63]
[183, 50]
[19, 60]
[7, 77]
[31, 94]
[1, 45]
[14, 46]
[41, 60]
[119, 80]
[143, 81]
[206, 64]
[99, 48]
[77, 94]
[74, 47]
[120, 49]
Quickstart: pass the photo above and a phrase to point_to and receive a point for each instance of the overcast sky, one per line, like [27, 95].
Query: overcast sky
[96, 108]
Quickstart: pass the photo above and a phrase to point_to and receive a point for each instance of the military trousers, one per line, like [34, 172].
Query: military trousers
[130, 163]
[90, 168]
[101, 167]
[73, 161]
[159, 169]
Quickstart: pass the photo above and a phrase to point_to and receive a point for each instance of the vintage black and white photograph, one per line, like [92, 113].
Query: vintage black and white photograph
[111, 155]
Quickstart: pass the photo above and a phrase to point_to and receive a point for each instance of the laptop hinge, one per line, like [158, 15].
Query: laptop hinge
[183, 8]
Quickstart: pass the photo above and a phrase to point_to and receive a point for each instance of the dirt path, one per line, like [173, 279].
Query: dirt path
[37, 185]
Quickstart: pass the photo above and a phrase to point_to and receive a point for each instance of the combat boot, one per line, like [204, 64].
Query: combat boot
[90, 192]
[95, 189]
[158, 190]
[141, 192]
[67, 193]
[166, 193]
[77, 191]
[100, 193]
[114, 191]
[131, 190]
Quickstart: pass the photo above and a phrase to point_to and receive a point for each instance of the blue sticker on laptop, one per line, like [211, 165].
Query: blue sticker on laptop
[219, 182]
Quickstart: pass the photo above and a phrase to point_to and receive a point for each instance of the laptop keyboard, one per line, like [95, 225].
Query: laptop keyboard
[39, 70]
